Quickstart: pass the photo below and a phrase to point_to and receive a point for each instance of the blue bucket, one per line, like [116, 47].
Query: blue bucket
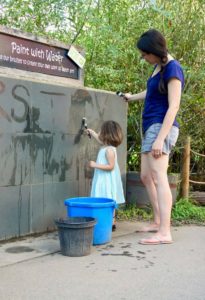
[98, 208]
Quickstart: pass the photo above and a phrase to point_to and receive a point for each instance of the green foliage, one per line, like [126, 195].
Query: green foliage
[189, 212]
[184, 211]
[131, 212]
[108, 30]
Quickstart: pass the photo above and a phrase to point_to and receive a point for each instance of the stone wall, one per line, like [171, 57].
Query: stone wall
[42, 156]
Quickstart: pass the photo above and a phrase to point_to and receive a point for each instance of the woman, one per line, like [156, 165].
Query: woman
[160, 129]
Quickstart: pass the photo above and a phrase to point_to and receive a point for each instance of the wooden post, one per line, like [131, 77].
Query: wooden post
[186, 168]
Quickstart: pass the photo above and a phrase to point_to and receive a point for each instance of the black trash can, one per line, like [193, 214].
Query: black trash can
[76, 235]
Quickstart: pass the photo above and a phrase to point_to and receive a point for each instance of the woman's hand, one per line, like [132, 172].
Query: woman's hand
[135, 97]
[157, 148]
[127, 97]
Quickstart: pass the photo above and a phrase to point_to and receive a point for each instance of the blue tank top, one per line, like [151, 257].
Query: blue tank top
[156, 103]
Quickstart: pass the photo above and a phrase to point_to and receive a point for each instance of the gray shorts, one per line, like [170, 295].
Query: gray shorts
[151, 134]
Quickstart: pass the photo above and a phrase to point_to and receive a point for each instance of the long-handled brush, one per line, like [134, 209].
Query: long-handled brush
[81, 131]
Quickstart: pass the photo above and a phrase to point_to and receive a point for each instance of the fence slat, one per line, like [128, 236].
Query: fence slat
[185, 168]
[197, 182]
[198, 154]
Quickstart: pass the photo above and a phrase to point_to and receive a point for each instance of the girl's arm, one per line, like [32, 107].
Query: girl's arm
[110, 155]
[174, 97]
[135, 97]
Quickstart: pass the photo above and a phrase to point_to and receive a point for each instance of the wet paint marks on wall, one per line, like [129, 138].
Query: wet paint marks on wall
[41, 162]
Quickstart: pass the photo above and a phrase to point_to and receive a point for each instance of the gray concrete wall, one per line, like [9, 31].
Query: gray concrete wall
[42, 158]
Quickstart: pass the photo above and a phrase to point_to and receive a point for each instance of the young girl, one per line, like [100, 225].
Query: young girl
[107, 178]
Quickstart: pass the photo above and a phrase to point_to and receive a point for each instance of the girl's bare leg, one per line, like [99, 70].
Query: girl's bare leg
[114, 221]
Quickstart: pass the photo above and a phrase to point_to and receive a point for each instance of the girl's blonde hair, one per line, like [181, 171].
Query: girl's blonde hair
[111, 133]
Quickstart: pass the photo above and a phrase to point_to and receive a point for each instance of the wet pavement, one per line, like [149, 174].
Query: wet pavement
[34, 268]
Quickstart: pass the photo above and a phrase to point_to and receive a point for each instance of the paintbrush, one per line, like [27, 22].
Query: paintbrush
[81, 131]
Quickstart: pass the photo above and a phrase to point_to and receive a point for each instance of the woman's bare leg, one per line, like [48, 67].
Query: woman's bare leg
[148, 181]
[158, 169]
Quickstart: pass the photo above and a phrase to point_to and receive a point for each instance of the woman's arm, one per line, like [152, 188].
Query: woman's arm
[174, 97]
[135, 97]
[110, 155]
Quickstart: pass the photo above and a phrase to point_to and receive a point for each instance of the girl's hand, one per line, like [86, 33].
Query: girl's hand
[92, 164]
[89, 132]
[157, 148]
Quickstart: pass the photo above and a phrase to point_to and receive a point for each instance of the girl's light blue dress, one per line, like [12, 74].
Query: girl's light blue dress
[107, 184]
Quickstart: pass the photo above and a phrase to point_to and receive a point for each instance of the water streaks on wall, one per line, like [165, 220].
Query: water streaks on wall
[42, 163]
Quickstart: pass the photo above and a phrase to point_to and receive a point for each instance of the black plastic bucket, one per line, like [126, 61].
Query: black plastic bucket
[76, 235]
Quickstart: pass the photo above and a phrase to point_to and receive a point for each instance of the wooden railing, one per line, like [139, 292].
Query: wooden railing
[186, 168]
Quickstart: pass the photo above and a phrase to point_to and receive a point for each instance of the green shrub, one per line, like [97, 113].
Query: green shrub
[131, 212]
[187, 211]
[184, 211]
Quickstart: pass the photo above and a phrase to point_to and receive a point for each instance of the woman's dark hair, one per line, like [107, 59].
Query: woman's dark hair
[153, 42]
[111, 133]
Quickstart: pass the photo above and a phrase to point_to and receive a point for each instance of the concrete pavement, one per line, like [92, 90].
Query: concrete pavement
[34, 268]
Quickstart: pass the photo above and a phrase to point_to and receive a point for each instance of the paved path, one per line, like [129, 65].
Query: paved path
[34, 269]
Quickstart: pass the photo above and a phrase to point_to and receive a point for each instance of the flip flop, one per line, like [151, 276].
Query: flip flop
[154, 241]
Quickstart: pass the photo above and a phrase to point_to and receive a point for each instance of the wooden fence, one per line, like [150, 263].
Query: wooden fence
[186, 168]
